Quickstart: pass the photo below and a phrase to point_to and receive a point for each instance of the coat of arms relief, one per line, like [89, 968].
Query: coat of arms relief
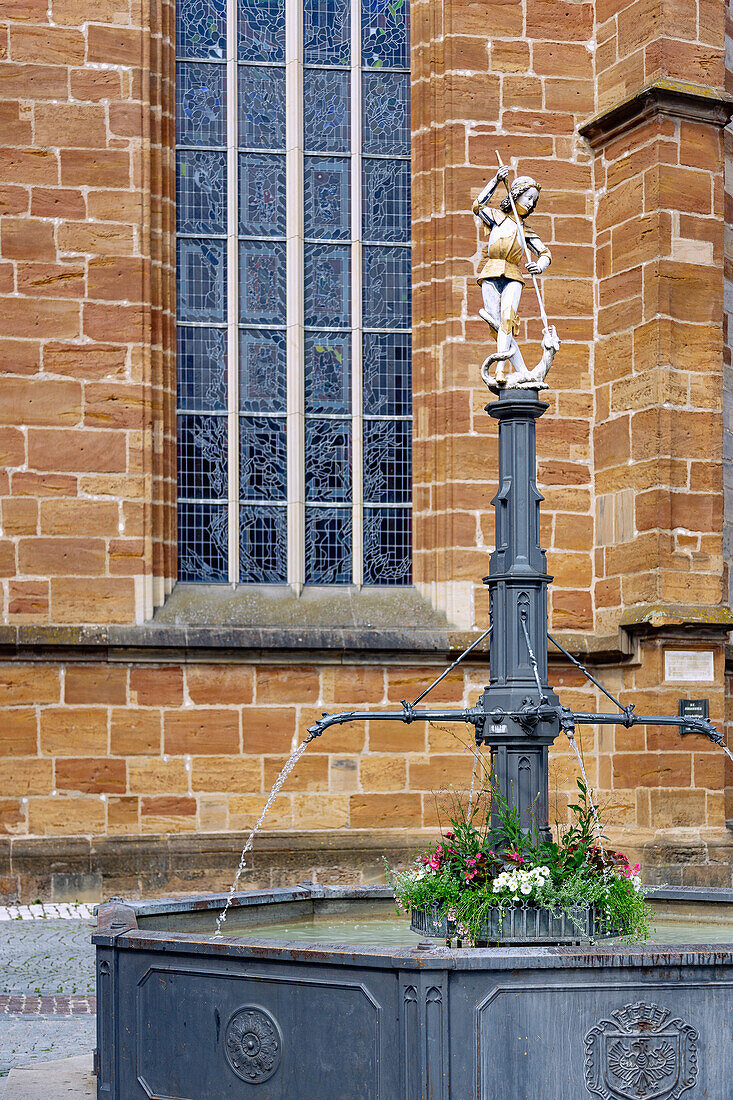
[642, 1053]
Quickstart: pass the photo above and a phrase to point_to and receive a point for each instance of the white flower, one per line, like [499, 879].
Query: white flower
[526, 888]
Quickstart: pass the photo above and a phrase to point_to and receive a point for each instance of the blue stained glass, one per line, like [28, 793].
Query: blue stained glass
[202, 543]
[202, 369]
[385, 33]
[200, 104]
[387, 461]
[201, 191]
[261, 30]
[201, 28]
[263, 458]
[261, 195]
[262, 371]
[386, 113]
[326, 115]
[387, 287]
[327, 286]
[387, 546]
[201, 280]
[202, 457]
[327, 372]
[387, 373]
[328, 545]
[386, 203]
[326, 197]
[327, 461]
[261, 107]
[262, 291]
[263, 545]
[326, 32]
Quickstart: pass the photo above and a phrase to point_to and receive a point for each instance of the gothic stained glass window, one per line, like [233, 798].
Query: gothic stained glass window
[326, 206]
[385, 33]
[326, 117]
[267, 328]
[200, 104]
[261, 30]
[261, 195]
[201, 194]
[201, 29]
[326, 32]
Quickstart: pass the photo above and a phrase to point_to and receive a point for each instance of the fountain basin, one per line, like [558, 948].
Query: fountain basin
[184, 1015]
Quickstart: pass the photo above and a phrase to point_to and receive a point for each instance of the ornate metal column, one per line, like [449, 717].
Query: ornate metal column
[517, 584]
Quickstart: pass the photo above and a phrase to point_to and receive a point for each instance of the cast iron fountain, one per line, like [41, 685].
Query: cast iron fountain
[184, 1012]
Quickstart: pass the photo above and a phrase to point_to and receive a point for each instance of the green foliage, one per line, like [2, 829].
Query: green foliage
[479, 865]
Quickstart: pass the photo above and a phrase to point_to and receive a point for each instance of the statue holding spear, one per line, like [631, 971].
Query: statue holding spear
[501, 280]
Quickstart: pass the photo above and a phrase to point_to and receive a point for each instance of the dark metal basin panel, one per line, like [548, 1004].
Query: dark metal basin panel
[202, 1028]
[570, 1035]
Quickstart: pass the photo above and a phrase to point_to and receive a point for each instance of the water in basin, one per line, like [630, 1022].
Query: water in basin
[389, 930]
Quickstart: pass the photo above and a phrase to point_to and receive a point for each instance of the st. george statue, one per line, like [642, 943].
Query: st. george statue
[501, 280]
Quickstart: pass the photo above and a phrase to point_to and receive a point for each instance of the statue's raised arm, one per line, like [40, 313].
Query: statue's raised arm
[511, 244]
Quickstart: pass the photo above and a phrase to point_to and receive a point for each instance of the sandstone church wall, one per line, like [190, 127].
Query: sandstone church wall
[134, 752]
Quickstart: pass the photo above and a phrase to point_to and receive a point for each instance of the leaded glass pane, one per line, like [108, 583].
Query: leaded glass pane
[261, 195]
[327, 372]
[387, 288]
[327, 461]
[201, 28]
[387, 544]
[386, 112]
[326, 117]
[261, 107]
[202, 543]
[202, 457]
[386, 200]
[387, 461]
[326, 32]
[202, 369]
[261, 30]
[387, 373]
[262, 282]
[385, 33]
[201, 280]
[200, 104]
[263, 545]
[262, 371]
[201, 191]
[327, 286]
[262, 458]
[326, 197]
[328, 545]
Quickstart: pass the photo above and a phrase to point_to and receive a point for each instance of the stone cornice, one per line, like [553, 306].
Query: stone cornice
[648, 618]
[150, 643]
[673, 98]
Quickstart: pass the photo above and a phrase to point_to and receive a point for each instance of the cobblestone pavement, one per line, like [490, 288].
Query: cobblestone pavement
[46, 990]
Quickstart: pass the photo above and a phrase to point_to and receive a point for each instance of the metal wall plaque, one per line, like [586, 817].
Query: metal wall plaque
[693, 708]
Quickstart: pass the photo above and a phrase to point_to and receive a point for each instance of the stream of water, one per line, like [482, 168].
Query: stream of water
[579, 758]
[289, 765]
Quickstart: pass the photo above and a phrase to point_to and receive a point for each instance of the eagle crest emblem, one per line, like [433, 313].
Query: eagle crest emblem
[642, 1053]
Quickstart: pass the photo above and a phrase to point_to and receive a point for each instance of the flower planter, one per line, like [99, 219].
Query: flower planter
[517, 923]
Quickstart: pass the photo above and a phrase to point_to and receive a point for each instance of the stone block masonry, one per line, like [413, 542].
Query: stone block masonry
[86, 299]
[97, 754]
[124, 771]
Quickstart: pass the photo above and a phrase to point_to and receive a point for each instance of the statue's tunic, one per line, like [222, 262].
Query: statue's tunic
[504, 252]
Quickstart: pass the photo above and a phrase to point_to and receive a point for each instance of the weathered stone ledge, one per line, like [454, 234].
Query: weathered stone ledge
[673, 98]
[91, 868]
